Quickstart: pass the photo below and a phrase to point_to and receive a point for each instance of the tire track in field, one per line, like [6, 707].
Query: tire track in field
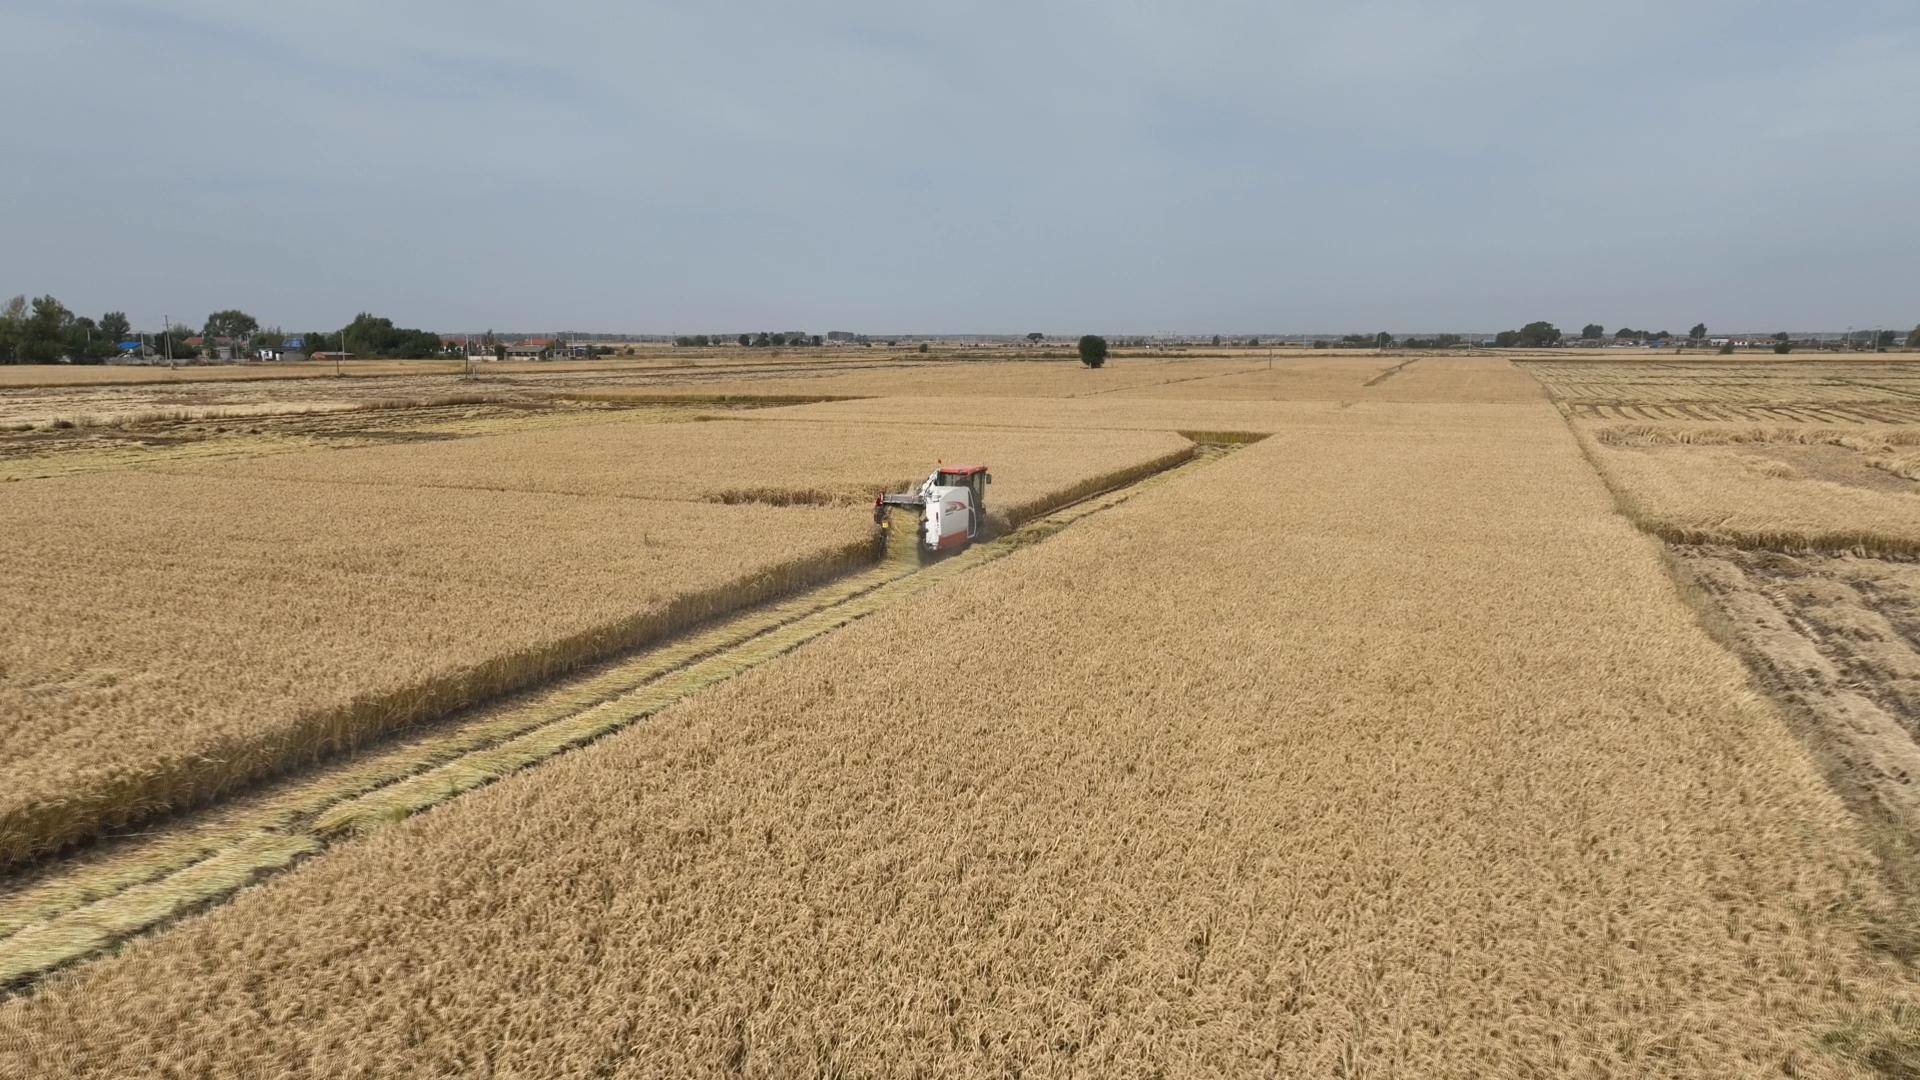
[69, 908]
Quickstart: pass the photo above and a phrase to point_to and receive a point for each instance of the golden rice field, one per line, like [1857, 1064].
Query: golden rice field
[1814, 497]
[1215, 791]
[982, 376]
[1287, 376]
[167, 638]
[1422, 737]
[172, 636]
[1804, 455]
[1737, 391]
[737, 461]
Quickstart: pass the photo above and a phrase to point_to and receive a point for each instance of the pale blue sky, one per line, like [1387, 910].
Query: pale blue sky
[1200, 167]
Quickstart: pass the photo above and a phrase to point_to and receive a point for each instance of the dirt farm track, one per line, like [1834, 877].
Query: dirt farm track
[1300, 713]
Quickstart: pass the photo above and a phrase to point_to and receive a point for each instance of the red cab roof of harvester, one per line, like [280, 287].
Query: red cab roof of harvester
[962, 470]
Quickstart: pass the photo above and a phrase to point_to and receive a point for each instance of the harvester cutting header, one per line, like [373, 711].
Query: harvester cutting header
[951, 506]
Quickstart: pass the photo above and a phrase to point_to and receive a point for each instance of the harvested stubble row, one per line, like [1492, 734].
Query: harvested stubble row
[748, 461]
[166, 638]
[1380, 748]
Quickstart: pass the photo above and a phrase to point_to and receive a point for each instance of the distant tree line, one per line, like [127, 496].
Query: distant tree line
[370, 335]
[1534, 335]
[765, 339]
[44, 331]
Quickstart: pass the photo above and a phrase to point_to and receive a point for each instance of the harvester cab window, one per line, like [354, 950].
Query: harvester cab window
[952, 480]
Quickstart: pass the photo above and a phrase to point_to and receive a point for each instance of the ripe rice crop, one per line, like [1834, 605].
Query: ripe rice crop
[1287, 376]
[1811, 494]
[164, 638]
[749, 461]
[1061, 377]
[1383, 747]
[1748, 381]
[1109, 412]
[1408, 378]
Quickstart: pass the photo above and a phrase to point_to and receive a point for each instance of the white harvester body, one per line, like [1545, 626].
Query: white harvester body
[951, 505]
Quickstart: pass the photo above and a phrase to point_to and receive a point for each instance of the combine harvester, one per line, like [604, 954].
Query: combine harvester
[951, 505]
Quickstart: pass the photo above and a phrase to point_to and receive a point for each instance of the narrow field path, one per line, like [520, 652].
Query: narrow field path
[1384, 747]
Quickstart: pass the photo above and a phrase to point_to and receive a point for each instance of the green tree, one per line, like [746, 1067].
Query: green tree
[1093, 350]
[1913, 339]
[1592, 332]
[1784, 336]
[13, 326]
[1036, 336]
[370, 335]
[1506, 339]
[1383, 340]
[923, 346]
[85, 344]
[1698, 333]
[233, 324]
[1216, 340]
[115, 327]
[745, 340]
[1536, 335]
[1886, 339]
[44, 338]
[1783, 347]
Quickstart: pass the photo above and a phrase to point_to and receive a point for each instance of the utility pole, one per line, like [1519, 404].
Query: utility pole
[166, 323]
